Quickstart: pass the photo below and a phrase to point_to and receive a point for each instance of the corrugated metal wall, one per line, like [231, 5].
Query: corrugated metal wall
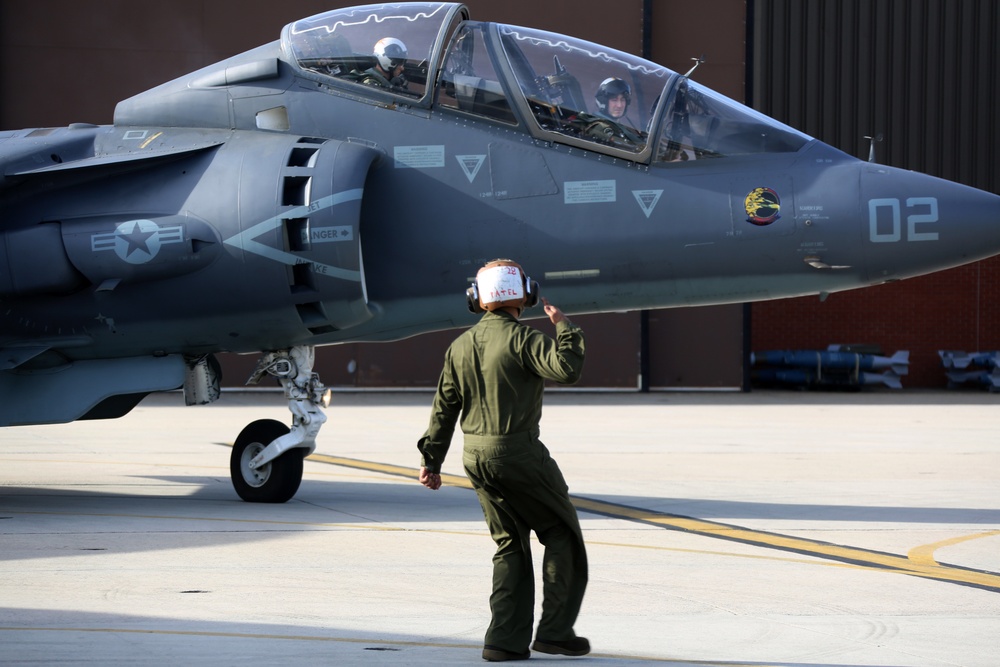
[923, 73]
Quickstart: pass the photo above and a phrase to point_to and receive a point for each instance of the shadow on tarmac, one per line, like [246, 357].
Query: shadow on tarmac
[361, 502]
[399, 501]
[112, 639]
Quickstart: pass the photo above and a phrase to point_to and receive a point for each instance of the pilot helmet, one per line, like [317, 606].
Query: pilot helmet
[500, 284]
[612, 87]
[390, 53]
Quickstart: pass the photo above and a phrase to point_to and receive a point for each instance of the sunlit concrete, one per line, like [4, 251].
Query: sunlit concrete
[831, 529]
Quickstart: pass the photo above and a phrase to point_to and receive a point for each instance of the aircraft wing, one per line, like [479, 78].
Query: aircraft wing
[111, 162]
[74, 154]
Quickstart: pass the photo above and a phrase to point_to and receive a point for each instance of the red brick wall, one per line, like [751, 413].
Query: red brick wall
[951, 310]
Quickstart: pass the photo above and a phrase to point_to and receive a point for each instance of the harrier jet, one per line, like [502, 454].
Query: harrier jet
[344, 183]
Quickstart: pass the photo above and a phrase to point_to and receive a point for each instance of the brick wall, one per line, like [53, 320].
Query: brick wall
[957, 309]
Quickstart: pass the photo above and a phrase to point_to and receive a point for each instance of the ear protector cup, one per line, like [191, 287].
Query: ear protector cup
[531, 293]
[472, 300]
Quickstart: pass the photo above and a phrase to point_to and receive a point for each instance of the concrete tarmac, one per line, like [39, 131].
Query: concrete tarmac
[765, 529]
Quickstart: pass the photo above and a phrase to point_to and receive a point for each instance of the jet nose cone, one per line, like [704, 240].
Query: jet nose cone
[913, 224]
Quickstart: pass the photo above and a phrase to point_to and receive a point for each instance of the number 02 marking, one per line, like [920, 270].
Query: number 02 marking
[894, 213]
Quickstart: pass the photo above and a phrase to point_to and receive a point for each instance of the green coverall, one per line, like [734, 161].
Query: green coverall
[493, 378]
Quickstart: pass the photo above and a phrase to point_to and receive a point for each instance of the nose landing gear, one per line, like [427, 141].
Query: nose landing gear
[266, 463]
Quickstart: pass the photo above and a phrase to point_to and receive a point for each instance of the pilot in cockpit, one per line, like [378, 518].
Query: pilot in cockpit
[613, 97]
[390, 60]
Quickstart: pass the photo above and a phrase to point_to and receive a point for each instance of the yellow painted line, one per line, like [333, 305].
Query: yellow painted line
[387, 469]
[919, 562]
[844, 554]
[925, 554]
[388, 529]
[150, 140]
[361, 640]
[382, 528]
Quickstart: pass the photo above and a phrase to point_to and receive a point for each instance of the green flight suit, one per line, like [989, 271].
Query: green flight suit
[493, 378]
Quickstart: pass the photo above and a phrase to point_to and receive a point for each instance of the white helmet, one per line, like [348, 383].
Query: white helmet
[390, 52]
[499, 284]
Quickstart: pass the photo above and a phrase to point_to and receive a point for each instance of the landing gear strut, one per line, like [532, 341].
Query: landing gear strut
[266, 463]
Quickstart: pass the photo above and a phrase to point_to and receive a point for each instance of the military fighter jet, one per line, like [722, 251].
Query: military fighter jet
[344, 183]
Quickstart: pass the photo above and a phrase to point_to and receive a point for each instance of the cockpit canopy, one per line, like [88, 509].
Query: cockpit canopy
[558, 88]
[343, 44]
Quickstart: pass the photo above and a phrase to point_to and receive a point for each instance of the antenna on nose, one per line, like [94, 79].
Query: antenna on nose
[871, 145]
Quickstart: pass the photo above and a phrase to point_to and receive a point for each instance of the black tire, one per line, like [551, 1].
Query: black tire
[275, 482]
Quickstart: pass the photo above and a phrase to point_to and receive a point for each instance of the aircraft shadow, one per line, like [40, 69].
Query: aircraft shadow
[316, 501]
[204, 511]
[359, 502]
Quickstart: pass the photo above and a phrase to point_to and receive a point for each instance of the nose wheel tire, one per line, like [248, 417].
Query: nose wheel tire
[274, 482]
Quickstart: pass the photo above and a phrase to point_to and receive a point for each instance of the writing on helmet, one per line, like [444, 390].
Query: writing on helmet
[501, 284]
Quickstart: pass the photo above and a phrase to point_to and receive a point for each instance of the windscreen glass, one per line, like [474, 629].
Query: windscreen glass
[700, 123]
[585, 91]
